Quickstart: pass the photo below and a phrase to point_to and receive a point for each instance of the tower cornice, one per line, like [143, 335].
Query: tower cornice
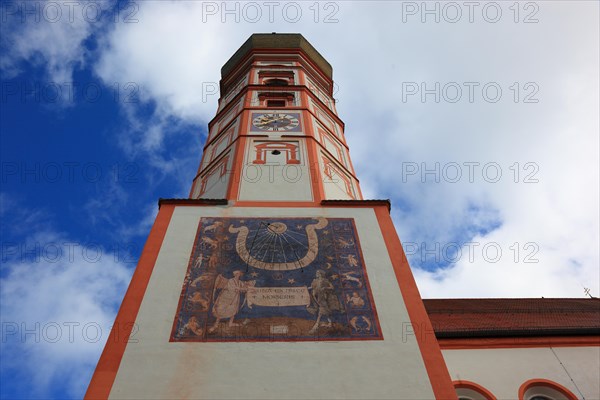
[274, 41]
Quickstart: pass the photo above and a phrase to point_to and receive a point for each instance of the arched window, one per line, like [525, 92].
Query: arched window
[276, 82]
[466, 390]
[543, 389]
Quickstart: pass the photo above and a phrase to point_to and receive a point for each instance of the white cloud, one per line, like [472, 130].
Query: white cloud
[49, 34]
[58, 300]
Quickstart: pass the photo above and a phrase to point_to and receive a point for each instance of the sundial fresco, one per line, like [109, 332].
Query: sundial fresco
[276, 279]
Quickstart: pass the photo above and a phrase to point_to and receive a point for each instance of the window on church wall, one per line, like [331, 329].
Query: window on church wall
[543, 389]
[276, 82]
[276, 99]
[276, 78]
[276, 103]
[470, 394]
[466, 390]
[544, 393]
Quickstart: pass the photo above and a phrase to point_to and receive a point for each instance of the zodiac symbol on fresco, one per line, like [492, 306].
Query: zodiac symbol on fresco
[352, 261]
[192, 325]
[199, 299]
[213, 261]
[357, 324]
[345, 243]
[202, 278]
[198, 262]
[348, 277]
[213, 227]
[211, 242]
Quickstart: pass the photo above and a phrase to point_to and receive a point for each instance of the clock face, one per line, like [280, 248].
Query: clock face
[276, 122]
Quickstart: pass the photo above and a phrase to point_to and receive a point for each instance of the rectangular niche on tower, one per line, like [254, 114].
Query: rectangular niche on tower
[276, 279]
[275, 170]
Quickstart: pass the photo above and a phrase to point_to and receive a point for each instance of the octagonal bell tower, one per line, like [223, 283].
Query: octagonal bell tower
[276, 136]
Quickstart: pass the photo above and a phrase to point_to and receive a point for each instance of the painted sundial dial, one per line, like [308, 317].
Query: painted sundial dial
[272, 246]
[276, 279]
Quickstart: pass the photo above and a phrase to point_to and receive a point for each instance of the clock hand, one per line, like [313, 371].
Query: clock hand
[265, 122]
[280, 119]
[268, 121]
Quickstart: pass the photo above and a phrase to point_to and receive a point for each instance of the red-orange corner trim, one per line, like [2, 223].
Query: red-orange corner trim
[440, 380]
[461, 384]
[108, 365]
[545, 383]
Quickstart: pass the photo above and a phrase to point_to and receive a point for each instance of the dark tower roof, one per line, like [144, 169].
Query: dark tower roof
[277, 41]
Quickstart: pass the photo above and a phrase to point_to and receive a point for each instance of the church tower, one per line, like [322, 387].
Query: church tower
[275, 279]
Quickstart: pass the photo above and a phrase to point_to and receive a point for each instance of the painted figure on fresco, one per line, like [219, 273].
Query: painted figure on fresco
[325, 300]
[227, 303]
[355, 300]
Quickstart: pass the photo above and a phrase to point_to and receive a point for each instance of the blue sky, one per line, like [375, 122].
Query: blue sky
[101, 116]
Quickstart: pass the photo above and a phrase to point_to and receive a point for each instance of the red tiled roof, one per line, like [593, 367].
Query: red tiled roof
[452, 318]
